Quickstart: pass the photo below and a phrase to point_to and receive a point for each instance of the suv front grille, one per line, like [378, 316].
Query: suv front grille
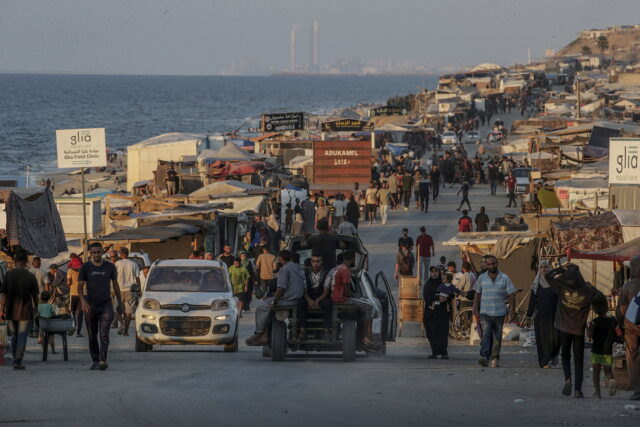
[184, 326]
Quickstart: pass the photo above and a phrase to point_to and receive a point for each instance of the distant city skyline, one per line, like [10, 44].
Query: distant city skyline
[209, 37]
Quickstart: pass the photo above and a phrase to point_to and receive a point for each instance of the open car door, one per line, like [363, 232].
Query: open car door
[391, 322]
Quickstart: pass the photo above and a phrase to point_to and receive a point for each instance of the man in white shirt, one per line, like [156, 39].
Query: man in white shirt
[340, 207]
[41, 276]
[128, 274]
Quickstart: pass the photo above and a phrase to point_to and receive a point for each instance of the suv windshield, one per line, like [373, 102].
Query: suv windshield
[187, 279]
[521, 173]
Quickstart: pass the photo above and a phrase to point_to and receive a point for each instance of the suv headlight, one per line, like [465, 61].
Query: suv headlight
[220, 305]
[151, 304]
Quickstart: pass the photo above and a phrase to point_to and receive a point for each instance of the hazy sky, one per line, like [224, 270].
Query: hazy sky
[205, 36]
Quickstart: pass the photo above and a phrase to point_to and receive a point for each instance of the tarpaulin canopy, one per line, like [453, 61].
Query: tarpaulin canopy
[548, 199]
[619, 253]
[34, 223]
[228, 153]
[592, 233]
[246, 168]
[226, 187]
[149, 234]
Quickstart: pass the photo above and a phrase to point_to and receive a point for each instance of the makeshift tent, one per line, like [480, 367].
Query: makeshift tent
[630, 222]
[299, 162]
[33, 221]
[515, 252]
[226, 187]
[228, 153]
[246, 168]
[154, 240]
[619, 253]
[584, 191]
[243, 204]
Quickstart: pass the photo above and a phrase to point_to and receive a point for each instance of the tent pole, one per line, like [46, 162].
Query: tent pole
[84, 217]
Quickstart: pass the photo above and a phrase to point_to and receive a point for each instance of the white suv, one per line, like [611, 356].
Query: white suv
[187, 302]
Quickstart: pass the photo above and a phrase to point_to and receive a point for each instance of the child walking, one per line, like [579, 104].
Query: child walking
[45, 311]
[602, 330]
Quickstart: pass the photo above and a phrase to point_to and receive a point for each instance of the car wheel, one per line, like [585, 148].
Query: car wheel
[232, 347]
[278, 340]
[142, 347]
[349, 335]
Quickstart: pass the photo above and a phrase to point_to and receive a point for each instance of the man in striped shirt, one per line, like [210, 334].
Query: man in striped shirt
[489, 308]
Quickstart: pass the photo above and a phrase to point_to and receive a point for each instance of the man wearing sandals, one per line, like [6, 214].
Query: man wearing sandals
[291, 286]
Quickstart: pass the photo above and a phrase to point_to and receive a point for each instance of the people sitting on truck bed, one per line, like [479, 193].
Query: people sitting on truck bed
[316, 296]
[341, 294]
[324, 244]
[290, 288]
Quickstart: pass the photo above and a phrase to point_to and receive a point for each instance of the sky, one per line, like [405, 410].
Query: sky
[204, 37]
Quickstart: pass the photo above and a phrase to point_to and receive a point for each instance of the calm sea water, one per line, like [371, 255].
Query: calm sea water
[133, 108]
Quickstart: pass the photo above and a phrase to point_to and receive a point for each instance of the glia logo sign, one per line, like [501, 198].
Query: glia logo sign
[81, 136]
[628, 159]
[624, 164]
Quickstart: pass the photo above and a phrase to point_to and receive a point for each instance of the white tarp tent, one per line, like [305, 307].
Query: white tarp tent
[224, 187]
[630, 222]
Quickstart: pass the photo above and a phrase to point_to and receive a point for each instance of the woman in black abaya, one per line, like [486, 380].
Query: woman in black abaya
[542, 306]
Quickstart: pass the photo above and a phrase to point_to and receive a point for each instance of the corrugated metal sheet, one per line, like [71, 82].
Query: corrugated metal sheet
[142, 160]
[625, 197]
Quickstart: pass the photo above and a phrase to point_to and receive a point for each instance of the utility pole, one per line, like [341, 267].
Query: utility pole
[578, 93]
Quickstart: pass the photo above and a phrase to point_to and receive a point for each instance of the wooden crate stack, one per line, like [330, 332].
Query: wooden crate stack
[411, 302]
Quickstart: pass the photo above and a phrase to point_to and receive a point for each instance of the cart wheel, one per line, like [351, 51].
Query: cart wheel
[349, 335]
[278, 340]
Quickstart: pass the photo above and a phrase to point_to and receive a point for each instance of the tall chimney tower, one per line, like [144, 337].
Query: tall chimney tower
[292, 53]
[314, 45]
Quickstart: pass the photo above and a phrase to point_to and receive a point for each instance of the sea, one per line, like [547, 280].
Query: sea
[134, 108]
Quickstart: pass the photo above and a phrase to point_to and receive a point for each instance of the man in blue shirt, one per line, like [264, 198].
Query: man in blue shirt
[489, 309]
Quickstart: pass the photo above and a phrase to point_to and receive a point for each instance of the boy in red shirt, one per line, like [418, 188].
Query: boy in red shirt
[341, 294]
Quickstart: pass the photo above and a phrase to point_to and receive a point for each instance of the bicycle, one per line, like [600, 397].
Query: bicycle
[460, 327]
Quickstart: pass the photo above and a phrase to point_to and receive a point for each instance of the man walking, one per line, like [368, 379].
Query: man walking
[384, 196]
[493, 177]
[371, 197]
[464, 189]
[18, 299]
[426, 250]
[629, 292]
[511, 188]
[290, 288]
[482, 220]
[265, 265]
[99, 278]
[423, 191]
[407, 185]
[434, 175]
[128, 273]
[489, 309]
[575, 297]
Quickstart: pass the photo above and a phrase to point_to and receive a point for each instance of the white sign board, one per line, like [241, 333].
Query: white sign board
[624, 161]
[83, 148]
